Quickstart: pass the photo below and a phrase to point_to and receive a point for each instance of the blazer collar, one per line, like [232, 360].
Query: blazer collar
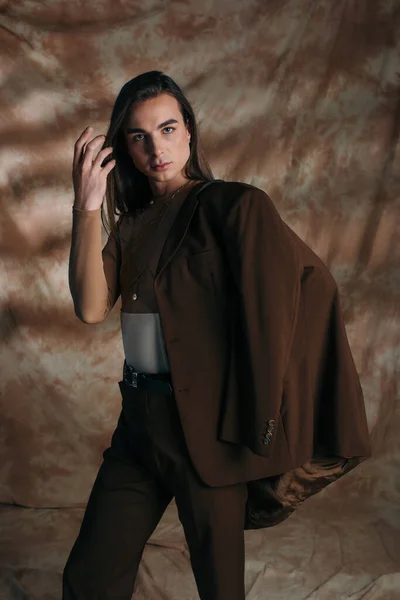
[178, 228]
[173, 239]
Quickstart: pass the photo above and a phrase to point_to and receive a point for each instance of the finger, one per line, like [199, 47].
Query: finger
[88, 149]
[79, 144]
[102, 155]
[109, 166]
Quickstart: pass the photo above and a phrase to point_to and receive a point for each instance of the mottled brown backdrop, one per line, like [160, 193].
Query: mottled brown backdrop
[297, 97]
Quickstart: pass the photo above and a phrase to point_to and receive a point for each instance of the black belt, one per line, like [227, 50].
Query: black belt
[159, 382]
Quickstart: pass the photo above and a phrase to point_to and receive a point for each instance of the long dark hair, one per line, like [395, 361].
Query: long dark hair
[127, 187]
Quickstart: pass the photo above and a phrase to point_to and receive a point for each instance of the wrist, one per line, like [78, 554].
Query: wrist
[79, 206]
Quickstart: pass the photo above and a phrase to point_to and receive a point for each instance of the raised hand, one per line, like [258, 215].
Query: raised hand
[89, 177]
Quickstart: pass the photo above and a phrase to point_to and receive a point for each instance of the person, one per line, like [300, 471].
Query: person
[210, 280]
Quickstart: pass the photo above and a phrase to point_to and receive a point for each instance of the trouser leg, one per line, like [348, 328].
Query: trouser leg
[213, 522]
[212, 517]
[124, 507]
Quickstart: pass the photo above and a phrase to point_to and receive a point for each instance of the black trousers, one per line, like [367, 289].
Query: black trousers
[146, 465]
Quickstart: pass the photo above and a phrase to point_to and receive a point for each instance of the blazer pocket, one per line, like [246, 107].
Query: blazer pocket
[203, 253]
[199, 266]
[211, 262]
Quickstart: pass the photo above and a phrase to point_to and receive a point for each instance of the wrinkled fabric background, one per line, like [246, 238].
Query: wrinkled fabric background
[297, 97]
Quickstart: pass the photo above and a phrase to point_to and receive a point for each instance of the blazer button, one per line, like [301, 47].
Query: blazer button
[134, 297]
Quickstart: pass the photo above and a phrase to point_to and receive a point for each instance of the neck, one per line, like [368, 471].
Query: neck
[183, 186]
[161, 189]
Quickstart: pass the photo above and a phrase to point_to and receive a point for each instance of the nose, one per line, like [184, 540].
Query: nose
[156, 156]
[153, 147]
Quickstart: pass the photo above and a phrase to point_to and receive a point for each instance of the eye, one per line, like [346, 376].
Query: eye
[135, 137]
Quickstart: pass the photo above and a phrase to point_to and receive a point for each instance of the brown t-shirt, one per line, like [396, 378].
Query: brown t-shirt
[94, 276]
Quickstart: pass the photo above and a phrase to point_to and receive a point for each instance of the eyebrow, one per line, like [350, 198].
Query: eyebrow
[160, 126]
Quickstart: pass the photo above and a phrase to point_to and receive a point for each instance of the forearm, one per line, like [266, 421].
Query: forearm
[87, 281]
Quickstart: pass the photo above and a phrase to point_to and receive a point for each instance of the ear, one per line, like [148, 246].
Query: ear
[188, 133]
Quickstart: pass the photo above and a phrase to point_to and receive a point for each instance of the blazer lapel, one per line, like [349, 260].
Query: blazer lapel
[179, 227]
[150, 255]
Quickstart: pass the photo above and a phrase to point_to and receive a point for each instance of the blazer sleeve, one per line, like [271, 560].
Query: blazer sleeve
[267, 273]
[93, 271]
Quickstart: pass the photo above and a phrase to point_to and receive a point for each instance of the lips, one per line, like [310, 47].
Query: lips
[161, 164]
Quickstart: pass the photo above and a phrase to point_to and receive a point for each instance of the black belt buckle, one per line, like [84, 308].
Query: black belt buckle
[130, 376]
[136, 380]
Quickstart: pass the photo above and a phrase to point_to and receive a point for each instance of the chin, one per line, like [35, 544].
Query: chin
[164, 175]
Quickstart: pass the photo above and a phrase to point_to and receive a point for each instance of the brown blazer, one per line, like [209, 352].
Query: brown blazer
[265, 383]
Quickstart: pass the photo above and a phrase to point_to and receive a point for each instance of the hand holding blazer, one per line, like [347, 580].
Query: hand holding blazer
[264, 380]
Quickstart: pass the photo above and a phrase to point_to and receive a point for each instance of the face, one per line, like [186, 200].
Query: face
[155, 133]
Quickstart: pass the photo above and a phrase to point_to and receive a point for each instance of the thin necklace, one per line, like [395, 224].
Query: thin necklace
[140, 211]
[174, 194]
